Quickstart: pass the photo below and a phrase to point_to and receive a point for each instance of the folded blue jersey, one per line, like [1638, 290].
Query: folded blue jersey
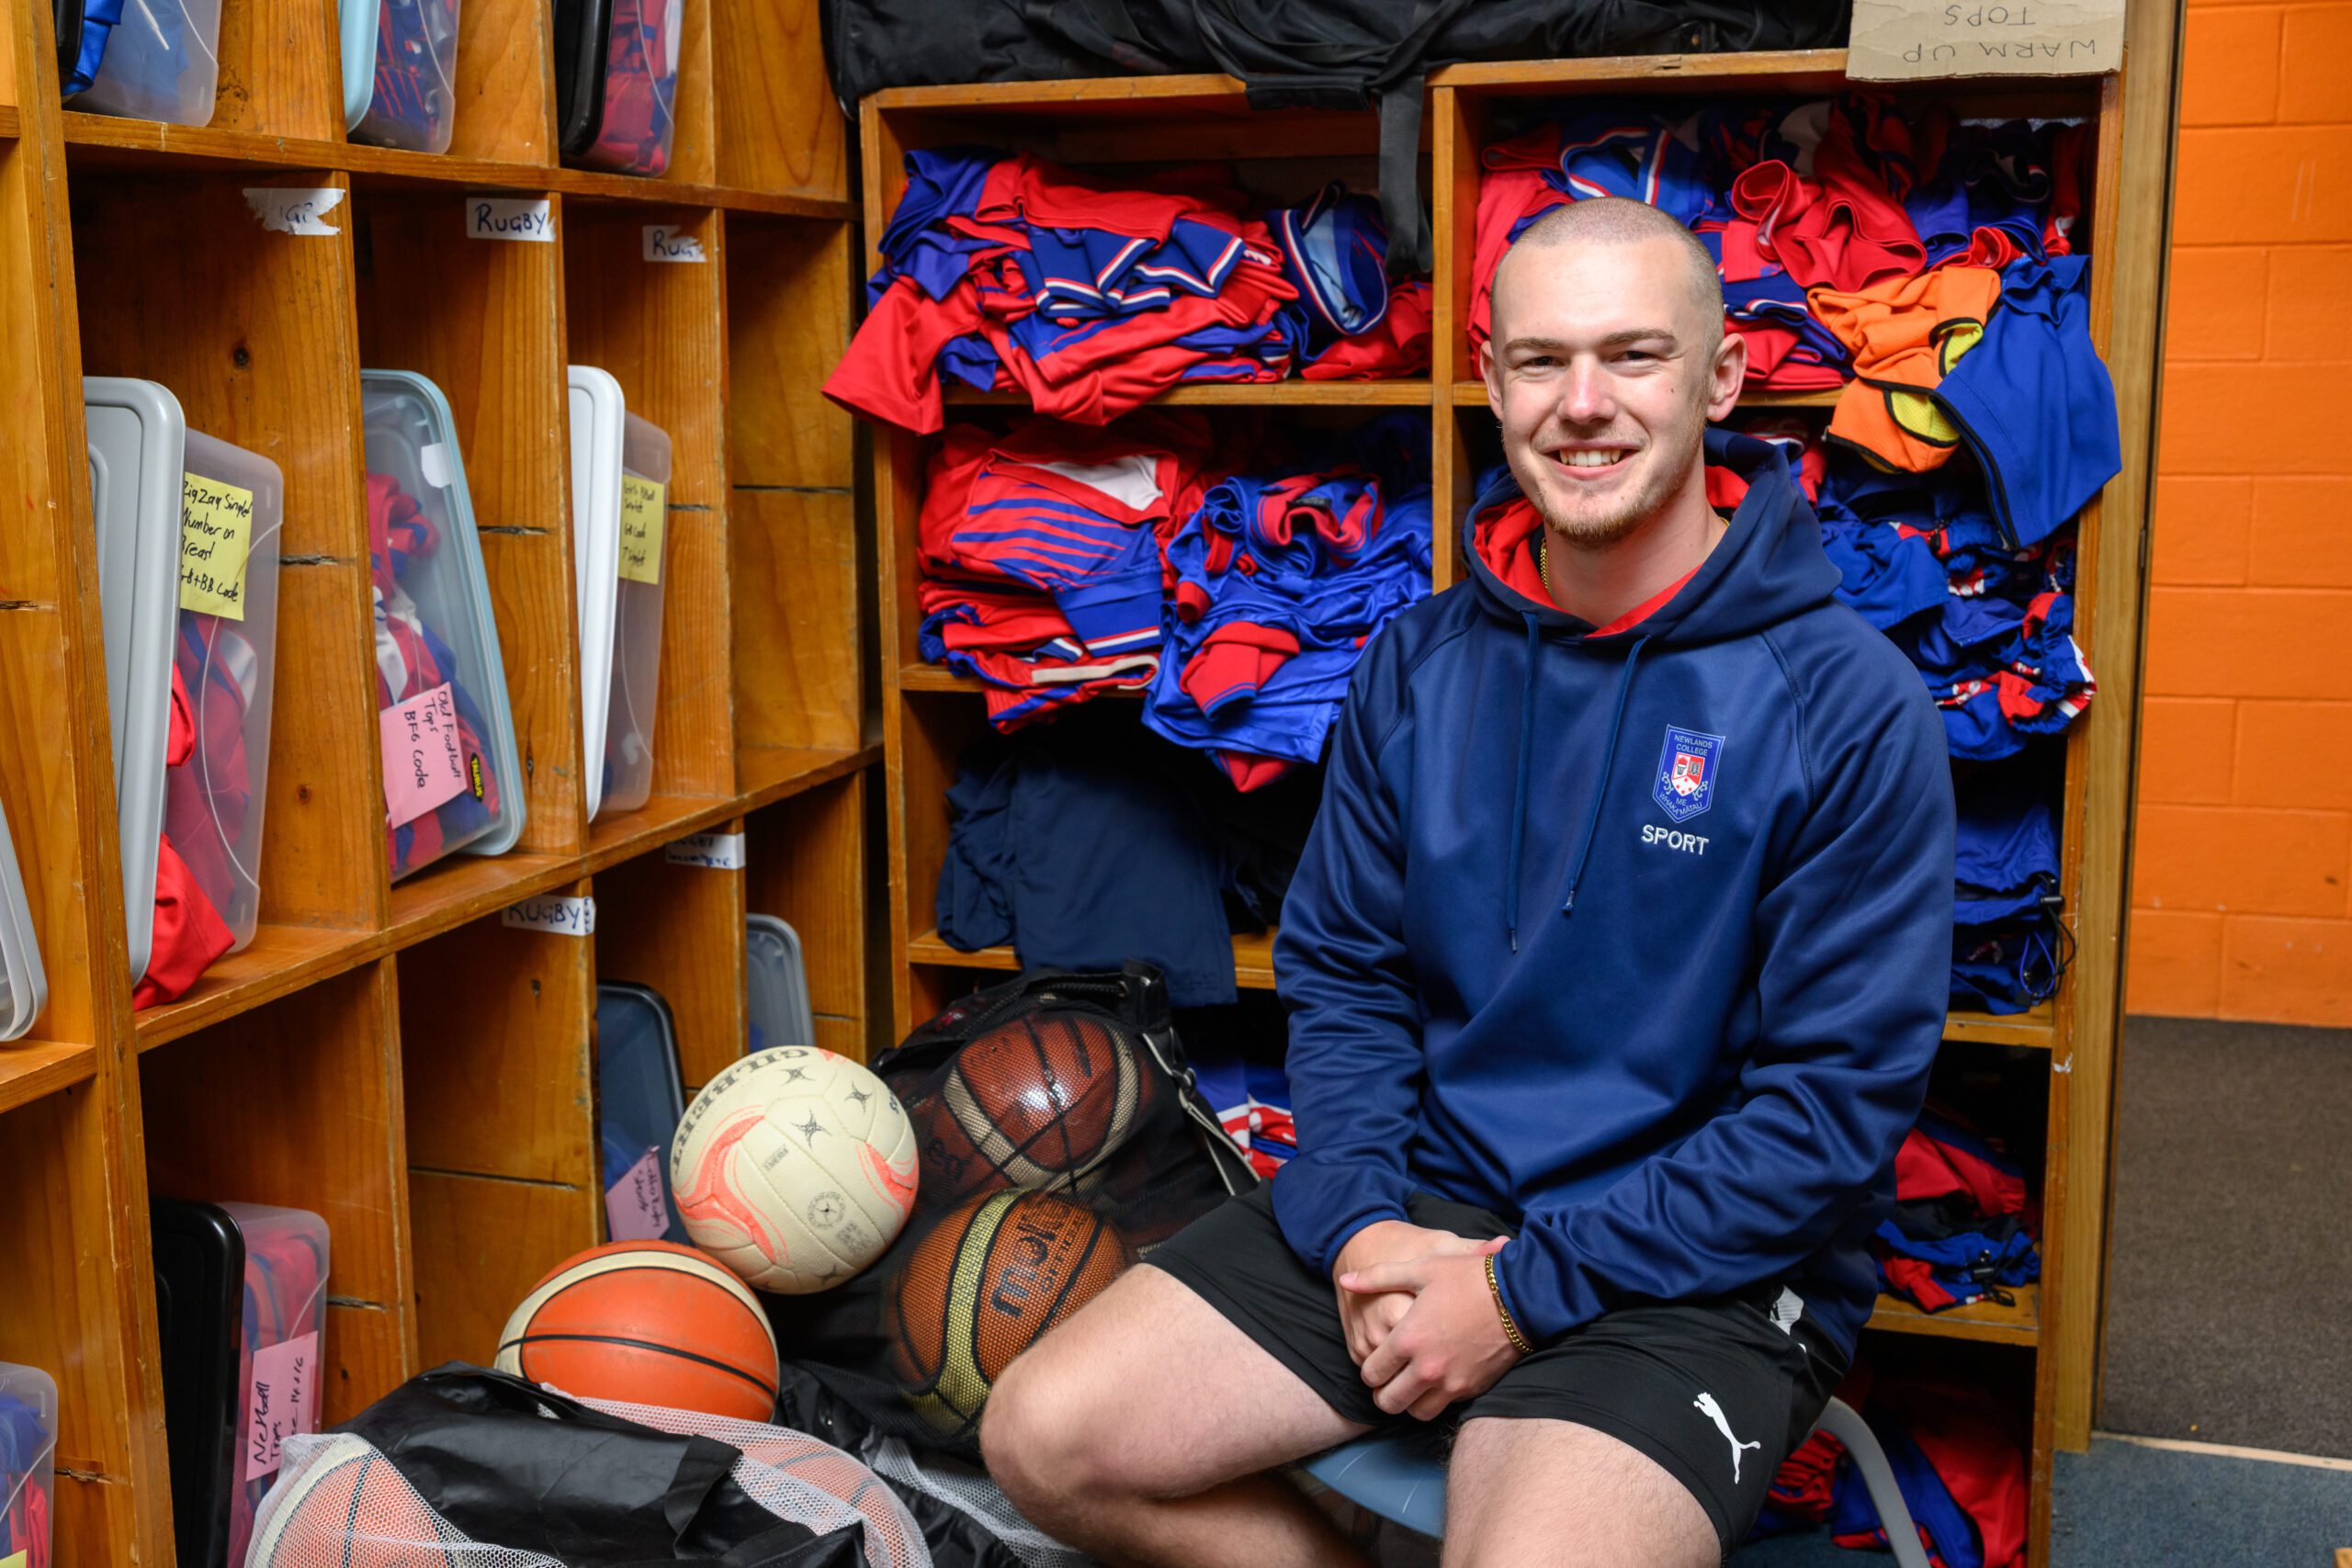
[1335, 253]
[1083, 854]
[917, 244]
[1887, 575]
[2035, 404]
[2008, 966]
[2005, 861]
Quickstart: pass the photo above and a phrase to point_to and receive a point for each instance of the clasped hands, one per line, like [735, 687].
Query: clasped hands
[1421, 1321]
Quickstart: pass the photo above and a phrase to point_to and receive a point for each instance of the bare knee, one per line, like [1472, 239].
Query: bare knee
[1040, 1436]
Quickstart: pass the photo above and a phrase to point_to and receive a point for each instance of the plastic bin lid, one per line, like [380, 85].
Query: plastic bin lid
[412, 439]
[418, 56]
[226, 651]
[162, 62]
[24, 984]
[199, 1292]
[597, 421]
[633, 711]
[635, 81]
[358, 59]
[640, 1098]
[137, 455]
[775, 985]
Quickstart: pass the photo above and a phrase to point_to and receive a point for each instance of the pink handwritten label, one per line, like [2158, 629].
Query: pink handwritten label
[282, 1402]
[424, 757]
[633, 1205]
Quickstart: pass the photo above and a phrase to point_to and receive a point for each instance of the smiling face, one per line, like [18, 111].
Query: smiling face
[1607, 361]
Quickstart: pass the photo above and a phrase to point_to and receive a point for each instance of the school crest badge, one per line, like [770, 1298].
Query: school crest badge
[1686, 772]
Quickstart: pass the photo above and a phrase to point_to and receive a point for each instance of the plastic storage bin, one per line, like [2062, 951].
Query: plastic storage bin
[775, 985]
[137, 447]
[616, 82]
[24, 984]
[598, 418]
[452, 771]
[28, 1451]
[240, 1302]
[637, 615]
[400, 69]
[226, 656]
[162, 62]
[640, 1099]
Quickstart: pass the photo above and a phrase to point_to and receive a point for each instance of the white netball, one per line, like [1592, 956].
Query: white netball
[794, 1168]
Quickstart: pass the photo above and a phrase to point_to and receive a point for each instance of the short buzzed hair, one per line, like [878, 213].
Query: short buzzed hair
[1619, 221]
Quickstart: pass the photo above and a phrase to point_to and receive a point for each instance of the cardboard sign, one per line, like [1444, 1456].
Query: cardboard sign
[424, 757]
[561, 914]
[282, 1402]
[644, 512]
[216, 530]
[633, 1205]
[1904, 40]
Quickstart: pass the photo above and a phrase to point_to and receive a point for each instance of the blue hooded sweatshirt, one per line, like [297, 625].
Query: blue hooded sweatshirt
[1638, 941]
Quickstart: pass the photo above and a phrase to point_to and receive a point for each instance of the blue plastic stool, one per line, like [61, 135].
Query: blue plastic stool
[1400, 1475]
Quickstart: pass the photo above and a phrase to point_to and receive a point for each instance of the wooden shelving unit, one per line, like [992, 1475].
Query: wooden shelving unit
[394, 1056]
[2045, 1343]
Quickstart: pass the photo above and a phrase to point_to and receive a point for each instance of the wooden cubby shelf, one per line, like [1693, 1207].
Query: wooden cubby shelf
[391, 1054]
[931, 714]
[2017, 1323]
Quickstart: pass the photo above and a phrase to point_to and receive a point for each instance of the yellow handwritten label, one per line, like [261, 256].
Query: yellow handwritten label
[14, 1559]
[642, 519]
[216, 527]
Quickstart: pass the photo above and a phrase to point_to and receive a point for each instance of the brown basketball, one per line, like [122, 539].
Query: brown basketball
[1037, 1103]
[646, 1323]
[992, 1277]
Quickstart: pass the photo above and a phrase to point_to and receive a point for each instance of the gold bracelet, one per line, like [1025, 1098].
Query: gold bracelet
[1511, 1327]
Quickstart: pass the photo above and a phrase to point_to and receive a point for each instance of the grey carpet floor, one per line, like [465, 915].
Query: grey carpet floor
[2156, 1509]
[2229, 1308]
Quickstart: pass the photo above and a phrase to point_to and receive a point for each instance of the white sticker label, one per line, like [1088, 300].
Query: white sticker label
[287, 211]
[434, 461]
[510, 217]
[633, 1205]
[713, 852]
[283, 1400]
[563, 915]
[663, 244]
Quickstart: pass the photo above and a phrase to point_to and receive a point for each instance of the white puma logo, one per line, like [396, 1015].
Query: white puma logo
[1705, 1404]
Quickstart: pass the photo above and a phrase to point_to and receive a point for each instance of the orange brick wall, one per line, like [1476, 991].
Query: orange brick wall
[2242, 885]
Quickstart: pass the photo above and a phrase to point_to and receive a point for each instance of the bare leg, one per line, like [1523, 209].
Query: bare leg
[1136, 1431]
[1555, 1494]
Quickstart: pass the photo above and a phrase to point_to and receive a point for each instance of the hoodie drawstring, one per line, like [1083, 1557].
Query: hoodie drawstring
[1518, 791]
[1601, 785]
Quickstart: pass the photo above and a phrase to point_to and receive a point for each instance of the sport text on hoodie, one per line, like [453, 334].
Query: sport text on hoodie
[1638, 941]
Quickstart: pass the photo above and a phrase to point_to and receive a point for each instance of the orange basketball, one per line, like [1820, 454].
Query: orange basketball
[1039, 1103]
[315, 1514]
[983, 1285]
[646, 1323]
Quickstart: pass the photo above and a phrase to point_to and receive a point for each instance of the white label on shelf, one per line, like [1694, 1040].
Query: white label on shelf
[561, 914]
[287, 212]
[282, 1402]
[714, 852]
[434, 461]
[425, 755]
[1897, 40]
[216, 529]
[663, 244]
[633, 1205]
[510, 217]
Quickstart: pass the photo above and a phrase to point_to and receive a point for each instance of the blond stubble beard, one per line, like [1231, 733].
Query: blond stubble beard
[1588, 532]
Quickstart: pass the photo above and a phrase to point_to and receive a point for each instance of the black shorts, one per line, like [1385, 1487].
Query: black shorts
[1718, 1391]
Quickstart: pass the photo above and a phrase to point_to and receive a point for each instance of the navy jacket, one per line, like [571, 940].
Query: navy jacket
[1639, 941]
